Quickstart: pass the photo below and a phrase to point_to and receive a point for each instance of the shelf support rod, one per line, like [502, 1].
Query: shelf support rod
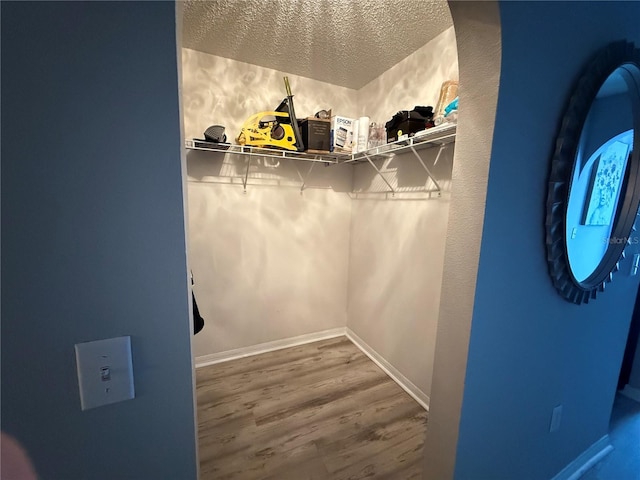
[304, 179]
[425, 167]
[379, 173]
[440, 150]
[246, 174]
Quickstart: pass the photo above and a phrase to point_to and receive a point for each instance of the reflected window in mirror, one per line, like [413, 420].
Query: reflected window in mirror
[594, 200]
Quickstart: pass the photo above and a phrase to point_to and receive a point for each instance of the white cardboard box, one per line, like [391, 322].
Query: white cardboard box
[342, 133]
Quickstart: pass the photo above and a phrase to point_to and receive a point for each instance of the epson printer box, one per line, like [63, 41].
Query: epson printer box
[341, 133]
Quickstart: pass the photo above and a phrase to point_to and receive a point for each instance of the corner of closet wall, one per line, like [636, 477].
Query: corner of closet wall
[218, 90]
[397, 245]
[415, 80]
[272, 263]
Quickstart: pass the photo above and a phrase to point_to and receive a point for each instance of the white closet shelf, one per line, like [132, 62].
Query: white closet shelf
[261, 152]
[433, 137]
[439, 136]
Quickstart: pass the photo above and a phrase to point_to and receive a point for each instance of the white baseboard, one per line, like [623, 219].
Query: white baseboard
[243, 352]
[417, 394]
[631, 392]
[586, 460]
[406, 384]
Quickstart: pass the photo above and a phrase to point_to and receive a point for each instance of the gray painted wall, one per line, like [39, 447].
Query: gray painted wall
[93, 236]
[530, 350]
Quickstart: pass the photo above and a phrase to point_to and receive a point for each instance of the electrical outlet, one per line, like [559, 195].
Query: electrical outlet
[105, 371]
[556, 416]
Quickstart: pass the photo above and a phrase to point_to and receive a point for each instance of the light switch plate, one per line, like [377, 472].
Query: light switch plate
[105, 371]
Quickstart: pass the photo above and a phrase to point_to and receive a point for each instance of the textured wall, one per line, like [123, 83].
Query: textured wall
[271, 263]
[218, 90]
[397, 251]
[93, 237]
[397, 244]
[416, 80]
[477, 27]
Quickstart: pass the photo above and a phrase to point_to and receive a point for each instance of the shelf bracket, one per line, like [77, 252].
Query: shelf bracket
[393, 192]
[304, 179]
[440, 150]
[425, 166]
[246, 174]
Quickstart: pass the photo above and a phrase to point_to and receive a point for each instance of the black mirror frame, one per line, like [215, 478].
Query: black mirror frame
[610, 58]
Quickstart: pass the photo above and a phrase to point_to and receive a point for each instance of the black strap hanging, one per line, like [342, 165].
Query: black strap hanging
[198, 321]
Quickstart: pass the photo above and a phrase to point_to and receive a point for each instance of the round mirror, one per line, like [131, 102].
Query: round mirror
[594, 187]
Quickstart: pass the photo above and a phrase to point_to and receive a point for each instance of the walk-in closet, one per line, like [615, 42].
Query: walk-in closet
[318, 275]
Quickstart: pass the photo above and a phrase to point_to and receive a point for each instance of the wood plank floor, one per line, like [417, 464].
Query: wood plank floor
[321, 411]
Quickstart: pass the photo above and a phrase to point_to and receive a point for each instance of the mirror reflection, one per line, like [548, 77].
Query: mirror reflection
[597, 183]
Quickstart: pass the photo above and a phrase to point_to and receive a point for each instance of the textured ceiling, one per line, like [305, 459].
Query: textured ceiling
[343, 42]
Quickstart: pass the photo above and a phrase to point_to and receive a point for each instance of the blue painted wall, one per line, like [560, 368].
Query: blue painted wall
[530, 350]
[93, 240]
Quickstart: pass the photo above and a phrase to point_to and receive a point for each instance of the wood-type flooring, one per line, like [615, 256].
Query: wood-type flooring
[320, 411]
